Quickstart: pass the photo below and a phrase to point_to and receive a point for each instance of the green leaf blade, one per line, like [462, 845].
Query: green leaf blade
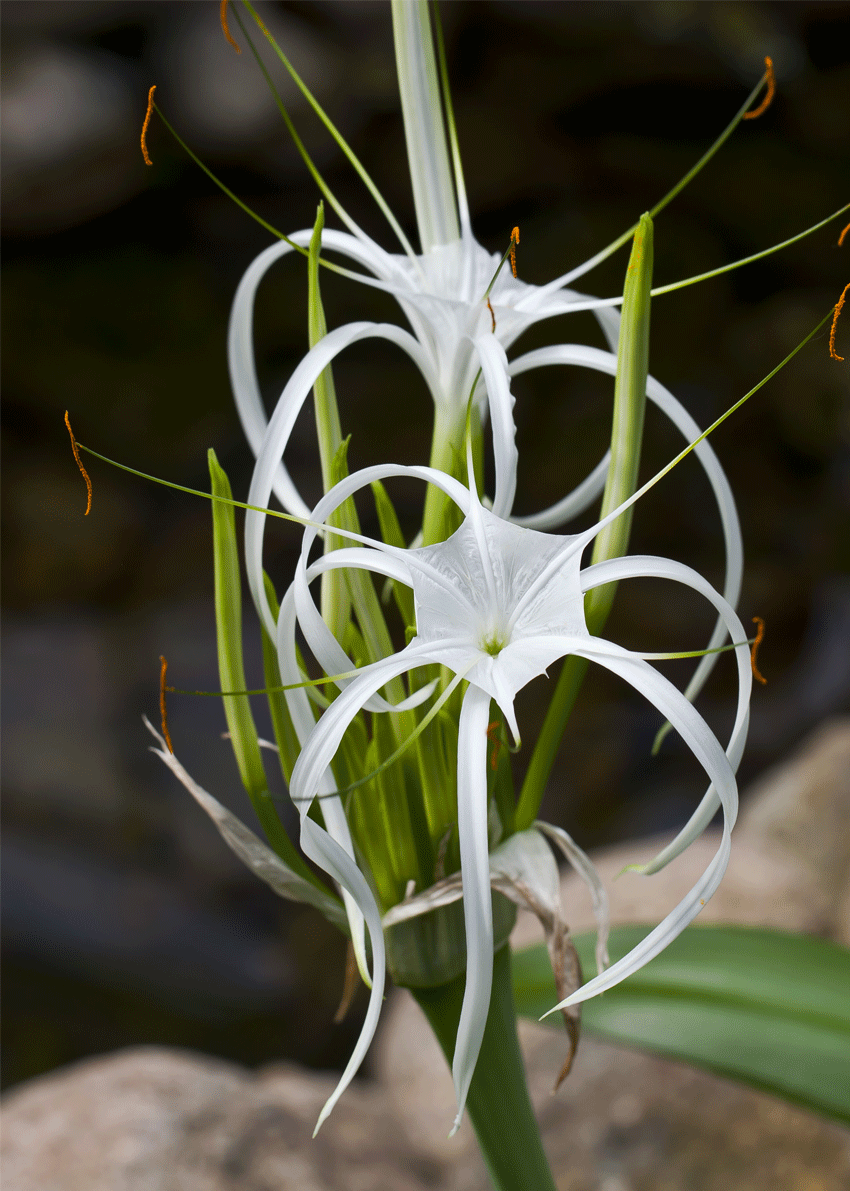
[764, 1007]
[237, 708]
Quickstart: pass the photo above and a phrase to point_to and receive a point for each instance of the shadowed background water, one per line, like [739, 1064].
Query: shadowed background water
[126, 918]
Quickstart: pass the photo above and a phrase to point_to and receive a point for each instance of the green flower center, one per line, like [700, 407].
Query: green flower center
[494, 643]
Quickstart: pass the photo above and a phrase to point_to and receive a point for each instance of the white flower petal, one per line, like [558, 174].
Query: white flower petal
[320, 747]
[477, 903]
[300, 710]
[494, 368]
[240, 339]
[644, 566]
[330, 856]
[591, 357]
[280, 427]
[703, 744]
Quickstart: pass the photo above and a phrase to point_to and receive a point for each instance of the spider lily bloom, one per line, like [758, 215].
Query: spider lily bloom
[465, 312]
[495, 604]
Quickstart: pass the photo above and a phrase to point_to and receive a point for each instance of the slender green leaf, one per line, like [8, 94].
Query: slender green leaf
[237, 708]
[763, 1007]
[627, 423]
[284, 729]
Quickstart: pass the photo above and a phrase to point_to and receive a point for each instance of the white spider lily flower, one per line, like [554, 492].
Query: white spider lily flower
[496, 604]
[443, 293]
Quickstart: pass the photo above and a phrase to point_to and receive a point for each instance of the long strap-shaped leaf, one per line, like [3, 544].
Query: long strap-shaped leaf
[237, 709]
[764, 1007]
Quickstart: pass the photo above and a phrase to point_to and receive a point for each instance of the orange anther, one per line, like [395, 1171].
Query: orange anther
[163, 711]
[350, 985]
[497, 744]
[492, 317]
[514, 242]
[839, 306]
[225, 30]
[759, 623]
[85, 474]
[771, 90]
[843, 234]
[145, 153]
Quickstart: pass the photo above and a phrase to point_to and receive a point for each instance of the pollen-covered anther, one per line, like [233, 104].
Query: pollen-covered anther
[843, 235]
[148, 114]
[492, 317]
[771, 91]
[224, 27]
[492, 729]
[839, 306]
[83, 471]
[514, 242]
[759, 623]
[163, 710]
[349, 987]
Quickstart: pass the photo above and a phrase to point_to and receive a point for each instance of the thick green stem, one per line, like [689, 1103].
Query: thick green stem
[549, 741]
[498, 1103]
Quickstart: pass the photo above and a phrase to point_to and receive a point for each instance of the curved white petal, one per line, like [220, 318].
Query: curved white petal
[280, 427]
[591, 357]
[634, 566]
[494, 368]
[328, 652]
[319, 749]
[301, 712]
[698, 736]
[240, 338]
[477, 903]
[396, 564]
[410, 559]
[318, 846]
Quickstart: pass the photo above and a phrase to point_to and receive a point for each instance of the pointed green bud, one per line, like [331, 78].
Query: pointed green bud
[629, 406]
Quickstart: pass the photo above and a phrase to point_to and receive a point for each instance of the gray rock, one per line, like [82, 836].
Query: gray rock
[168, 1120]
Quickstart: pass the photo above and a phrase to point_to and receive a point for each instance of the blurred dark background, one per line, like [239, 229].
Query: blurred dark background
[127, 920]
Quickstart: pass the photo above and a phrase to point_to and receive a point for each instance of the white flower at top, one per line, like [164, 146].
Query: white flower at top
[442, 292]
[496, 604]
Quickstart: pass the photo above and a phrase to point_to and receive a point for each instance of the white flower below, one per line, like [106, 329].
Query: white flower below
[496, 604]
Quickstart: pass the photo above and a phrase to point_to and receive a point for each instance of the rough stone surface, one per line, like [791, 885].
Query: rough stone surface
[166, 1120]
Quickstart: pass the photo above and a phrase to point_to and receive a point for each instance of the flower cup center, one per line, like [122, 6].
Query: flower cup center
[494, 642]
